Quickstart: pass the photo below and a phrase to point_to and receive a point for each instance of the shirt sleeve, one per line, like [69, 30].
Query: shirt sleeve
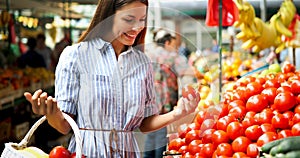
[67, 80]
[151, 108]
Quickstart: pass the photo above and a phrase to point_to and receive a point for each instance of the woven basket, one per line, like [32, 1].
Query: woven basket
[11, 149]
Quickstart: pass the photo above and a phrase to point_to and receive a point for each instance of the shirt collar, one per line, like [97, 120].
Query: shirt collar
[100, 44]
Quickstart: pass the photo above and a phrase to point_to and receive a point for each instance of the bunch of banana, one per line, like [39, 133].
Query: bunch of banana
[258, 35]
[255, 34]
[33, 152]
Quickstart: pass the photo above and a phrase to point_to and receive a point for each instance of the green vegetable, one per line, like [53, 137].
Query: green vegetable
[267, 147]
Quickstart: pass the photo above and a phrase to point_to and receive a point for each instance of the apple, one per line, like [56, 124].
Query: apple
[60, 152]
[275, 68]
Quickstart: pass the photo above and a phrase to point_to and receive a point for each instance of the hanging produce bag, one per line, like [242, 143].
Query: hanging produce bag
[229, 13]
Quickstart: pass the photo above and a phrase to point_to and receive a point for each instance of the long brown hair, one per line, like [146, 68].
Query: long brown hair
[106, 9]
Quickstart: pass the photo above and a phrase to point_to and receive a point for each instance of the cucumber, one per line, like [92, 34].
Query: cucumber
[267, 147]
[293, 154]
[286, 146]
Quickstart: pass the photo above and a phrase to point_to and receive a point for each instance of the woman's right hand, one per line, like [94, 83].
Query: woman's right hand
[41, 103]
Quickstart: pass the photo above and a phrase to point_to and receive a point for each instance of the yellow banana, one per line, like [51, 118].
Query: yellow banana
[280, 48]
[256, 49]
[237, 24]
[34, 152]
[248, 44]
[258, 24]
[241, 36]
[282, 29]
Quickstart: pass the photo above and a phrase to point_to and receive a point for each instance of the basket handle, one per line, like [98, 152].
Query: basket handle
[73, 125]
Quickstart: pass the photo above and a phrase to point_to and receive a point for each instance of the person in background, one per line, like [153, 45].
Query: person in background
[168, 66]
[105, 82]
[44, 50]
[59, 47]
[215, 47]
[31, 58]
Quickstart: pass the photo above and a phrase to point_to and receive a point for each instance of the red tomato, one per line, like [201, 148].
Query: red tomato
[188, 155]
[240, 144]
[220, 136]
[288, 67]
[284, 101]
[223, 122]
[208, 149]
[266, 138]
[195, 147]
[296, 129]
[297, 109]
[185, 91]
[279, 121]
[183, 130]
[224, 149]
[298, 99]
[266, 116]
[238, 112]
[271, 83]
[248, 122]
[284, 133]
[59, 152]
[253, 132]
[235, 103]
[281, 77]
[288, 114]
[73, 155]
[207, 135]
[234, 130]
[200, 117]
[254, 88]
[224, 111]
[270, 94]
[239, 155]
[260, 80]
[183, 149]
[252, 150]
[176, 143]
[208, 124]
[296, 118]
[283, 89]
[295, 87]
[256, 103]
[192, 135]
[267, 127]
[240, 95]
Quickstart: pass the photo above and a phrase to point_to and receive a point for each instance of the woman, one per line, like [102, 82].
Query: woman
[105, 82]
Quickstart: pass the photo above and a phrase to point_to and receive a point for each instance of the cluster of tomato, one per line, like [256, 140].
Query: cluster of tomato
[62, 152]
[258, 110]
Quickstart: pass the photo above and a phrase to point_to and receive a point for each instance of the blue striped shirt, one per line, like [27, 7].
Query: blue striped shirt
[105, 93]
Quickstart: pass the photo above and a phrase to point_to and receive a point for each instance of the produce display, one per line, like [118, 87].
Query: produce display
[259, 109]
[28, 79]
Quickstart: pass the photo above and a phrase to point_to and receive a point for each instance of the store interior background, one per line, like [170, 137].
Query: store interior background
[185, 17]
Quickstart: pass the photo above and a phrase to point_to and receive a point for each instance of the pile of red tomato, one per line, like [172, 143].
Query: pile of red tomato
[258, 110]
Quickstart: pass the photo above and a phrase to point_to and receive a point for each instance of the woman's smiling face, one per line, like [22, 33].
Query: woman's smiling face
[128, 22]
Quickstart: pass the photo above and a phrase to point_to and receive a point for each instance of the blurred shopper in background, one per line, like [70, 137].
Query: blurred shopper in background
[44, 50]
[59, 47]
[105, 82]
[169, 66]
[31, 58]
